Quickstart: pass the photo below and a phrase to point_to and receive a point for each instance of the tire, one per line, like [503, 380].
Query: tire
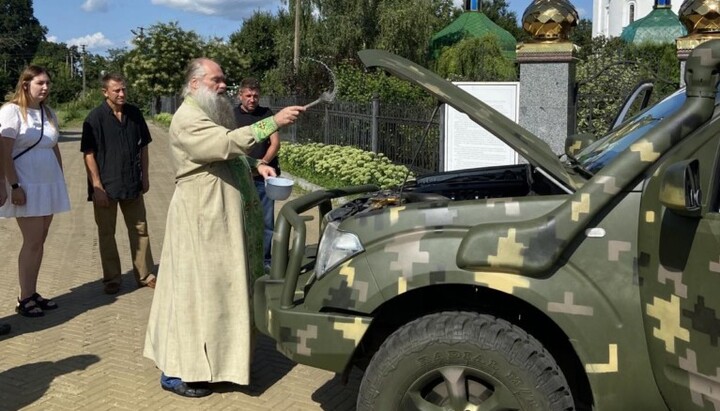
[462, 361]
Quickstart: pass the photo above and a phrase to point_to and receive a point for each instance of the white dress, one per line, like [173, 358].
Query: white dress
[38, 170]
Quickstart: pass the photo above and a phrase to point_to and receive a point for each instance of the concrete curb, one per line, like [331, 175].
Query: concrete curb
[310, 187]
[304, 184]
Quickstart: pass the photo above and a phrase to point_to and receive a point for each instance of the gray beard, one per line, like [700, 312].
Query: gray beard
[218, 107]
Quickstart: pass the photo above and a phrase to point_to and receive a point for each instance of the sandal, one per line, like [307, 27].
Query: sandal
[44, 303]
[28, 308]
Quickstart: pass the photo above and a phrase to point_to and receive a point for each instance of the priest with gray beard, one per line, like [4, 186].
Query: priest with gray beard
[200, 325]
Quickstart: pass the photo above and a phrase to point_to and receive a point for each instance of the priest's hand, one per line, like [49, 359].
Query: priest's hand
[288, 115]
[266, 171]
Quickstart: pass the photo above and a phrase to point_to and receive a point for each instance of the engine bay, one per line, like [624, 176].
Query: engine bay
[472, 184]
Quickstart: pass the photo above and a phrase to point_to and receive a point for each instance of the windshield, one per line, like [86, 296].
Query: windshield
[600, 153]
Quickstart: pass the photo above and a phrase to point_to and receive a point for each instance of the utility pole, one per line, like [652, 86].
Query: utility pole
[72, 61]
[83, 68]
[141, 33]
[296, 53]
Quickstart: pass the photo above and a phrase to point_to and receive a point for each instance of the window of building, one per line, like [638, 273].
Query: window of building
[606, 22]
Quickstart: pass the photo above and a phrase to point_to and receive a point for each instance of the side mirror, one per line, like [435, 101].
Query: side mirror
[680, 188]
[575, 143]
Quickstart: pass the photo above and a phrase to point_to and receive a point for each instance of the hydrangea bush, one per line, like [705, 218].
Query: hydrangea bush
[333, 166]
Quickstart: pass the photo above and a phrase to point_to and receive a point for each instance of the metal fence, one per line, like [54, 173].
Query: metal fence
[393, 130]
[165, 104]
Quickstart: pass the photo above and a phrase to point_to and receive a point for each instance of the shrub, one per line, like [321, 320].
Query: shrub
[163, 118]
[609, 69]
[333, 166]
[76, 110]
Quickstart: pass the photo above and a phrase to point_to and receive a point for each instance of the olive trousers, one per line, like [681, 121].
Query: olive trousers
[133, 211]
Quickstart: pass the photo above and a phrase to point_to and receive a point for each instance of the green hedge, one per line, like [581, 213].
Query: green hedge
[333, 166]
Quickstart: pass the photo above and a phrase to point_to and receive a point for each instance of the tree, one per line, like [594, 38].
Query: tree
[610, 68]
[581, 35]
[20, 36]
[347, 26]
[256, 41]
[116, 59]
[156, 66]
[95, 67]
[234, 62]
[498, 11]
[657, 62]
[311, 78]
[475, 59]
[55, 57]
[405, 27]
[354, 84]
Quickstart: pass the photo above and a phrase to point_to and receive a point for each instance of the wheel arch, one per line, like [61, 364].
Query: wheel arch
[416, 303]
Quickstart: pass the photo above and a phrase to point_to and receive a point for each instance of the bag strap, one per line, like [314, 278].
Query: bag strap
[42, 130]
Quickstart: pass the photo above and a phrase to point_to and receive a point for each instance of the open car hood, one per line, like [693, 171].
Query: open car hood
[529, 146]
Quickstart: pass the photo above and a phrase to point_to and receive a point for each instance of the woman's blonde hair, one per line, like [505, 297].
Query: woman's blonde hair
[21, 97]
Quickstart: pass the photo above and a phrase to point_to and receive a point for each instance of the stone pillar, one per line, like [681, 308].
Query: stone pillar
[547, 91]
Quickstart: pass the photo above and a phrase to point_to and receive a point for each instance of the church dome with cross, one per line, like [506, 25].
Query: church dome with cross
[662, 25]
[610, 17]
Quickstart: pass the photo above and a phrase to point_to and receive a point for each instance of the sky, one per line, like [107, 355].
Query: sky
[108, 24]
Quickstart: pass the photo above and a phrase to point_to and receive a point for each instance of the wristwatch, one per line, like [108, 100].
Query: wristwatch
[14, 186]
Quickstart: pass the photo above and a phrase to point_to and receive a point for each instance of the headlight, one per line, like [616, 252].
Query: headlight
[335, 247]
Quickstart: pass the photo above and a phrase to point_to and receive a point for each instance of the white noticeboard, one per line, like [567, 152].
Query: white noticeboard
[467, 145]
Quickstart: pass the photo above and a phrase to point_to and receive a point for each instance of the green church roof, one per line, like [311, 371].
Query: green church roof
[662, 25]
[472, 24]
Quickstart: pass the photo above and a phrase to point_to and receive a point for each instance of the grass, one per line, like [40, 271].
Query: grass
[73, 113]
[70, 119]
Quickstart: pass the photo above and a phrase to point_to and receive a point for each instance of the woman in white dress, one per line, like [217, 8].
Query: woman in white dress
[34, 179]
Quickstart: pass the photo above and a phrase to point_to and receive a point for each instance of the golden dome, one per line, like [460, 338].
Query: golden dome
[700, 16]
[550, 20]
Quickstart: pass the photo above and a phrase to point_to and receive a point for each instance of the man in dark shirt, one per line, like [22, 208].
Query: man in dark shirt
[249, 112]
[114, 143]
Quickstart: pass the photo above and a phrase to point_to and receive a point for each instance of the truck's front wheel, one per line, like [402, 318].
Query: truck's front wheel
[463, 361]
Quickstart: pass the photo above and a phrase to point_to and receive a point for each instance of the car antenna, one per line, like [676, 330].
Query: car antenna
[417, 150]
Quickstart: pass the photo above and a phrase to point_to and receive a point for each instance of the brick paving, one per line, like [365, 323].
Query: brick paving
[87, 355]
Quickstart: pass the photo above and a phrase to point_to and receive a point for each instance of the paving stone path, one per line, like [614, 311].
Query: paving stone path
[87, 355]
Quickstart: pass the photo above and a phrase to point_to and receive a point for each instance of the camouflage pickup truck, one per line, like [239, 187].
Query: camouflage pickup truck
[585, 282]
